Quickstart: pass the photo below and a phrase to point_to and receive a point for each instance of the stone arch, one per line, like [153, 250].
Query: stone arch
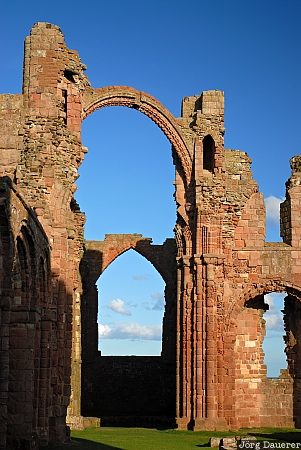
[26, 262]
[244, 338]
[141, 250]
[100, 254]
[96, 389]
[5, 303]
[148, 105]
[254, 291]
[59, 201]
[136, 249]
[22, 335]
[33, 263]
[6, 256]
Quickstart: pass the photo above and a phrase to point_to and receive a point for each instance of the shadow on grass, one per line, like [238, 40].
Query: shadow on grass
[82, 444]
[287, 436]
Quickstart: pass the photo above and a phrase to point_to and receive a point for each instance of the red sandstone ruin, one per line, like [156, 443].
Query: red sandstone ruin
[217, 270]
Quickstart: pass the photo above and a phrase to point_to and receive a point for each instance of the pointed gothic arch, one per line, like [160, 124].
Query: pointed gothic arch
[148, 105]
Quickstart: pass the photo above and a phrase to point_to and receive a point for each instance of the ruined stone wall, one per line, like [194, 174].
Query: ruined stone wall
[225, 264]
[278, 391]
[259, 401]
[119, 386]
[28, 324]
[40, 152]
[249, 367]
[217, 265]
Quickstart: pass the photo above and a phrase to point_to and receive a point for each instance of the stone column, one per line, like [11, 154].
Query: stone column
[74, 417]
[184, 363]
[179, 387]
[199, 339]
[207, 416]
[74, 408]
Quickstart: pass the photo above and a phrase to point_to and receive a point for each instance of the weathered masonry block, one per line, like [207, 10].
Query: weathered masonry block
[217, 269]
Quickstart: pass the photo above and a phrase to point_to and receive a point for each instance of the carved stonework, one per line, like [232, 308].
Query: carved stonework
[211, 373]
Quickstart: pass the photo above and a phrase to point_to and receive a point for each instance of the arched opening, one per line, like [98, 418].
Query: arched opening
[152, 108]
[126, 180]
[131, 306]
[22, 405]
[125, 186]
[273, 394]
[26, 266]
[208, 153]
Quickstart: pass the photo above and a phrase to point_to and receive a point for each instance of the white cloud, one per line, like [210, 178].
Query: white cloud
[273, 317]
[119, 306]
[103, 330]
[274, 322]
[268, 298]
[272, 205]
[132, 331]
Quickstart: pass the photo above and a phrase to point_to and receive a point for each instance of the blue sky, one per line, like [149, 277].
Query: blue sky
[170, 49]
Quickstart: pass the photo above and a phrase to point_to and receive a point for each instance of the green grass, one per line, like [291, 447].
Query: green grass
[151, 439]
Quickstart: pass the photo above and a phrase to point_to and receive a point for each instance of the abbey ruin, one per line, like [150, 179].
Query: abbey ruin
[217, 269]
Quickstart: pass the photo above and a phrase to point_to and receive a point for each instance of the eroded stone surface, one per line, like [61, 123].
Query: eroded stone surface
[216, 270]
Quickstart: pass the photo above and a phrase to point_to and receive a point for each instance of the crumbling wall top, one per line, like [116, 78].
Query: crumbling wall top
[208, 102]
